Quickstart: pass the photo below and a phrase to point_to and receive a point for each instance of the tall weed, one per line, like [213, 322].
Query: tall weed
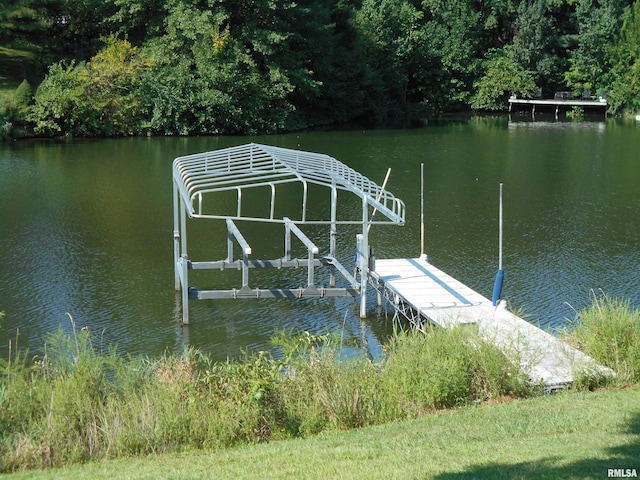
[445, 368]
[609, 332]
[324, 391]
[77, 402]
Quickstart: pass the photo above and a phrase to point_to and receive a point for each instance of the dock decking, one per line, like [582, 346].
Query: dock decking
[424, 293]
[558, 103]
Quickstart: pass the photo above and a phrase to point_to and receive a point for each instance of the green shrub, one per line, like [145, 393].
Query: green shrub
[97, 98]
[5, 123]
[14, 107]
[61, 105]
[503, 77]
[22, 98]
[609, 332]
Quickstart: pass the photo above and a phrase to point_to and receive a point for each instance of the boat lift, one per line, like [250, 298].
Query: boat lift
[201, 180]
[204, 182]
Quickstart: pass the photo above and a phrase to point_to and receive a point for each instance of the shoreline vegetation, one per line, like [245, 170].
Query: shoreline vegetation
[106, 68]
[79, 402]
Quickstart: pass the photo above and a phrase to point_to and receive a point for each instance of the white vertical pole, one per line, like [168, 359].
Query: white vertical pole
[229, 243]
[497, 286]
[364, 257]
[245, 268]
[185, 290]
[287, 242]
[422, 254]
[183, 228]
[500, 233]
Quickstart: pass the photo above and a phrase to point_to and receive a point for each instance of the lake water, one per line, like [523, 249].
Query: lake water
[86, 229]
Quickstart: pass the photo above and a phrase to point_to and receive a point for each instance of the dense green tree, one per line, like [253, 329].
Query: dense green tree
[249, 66]
[76, 28]
[624, 94]
[53, 29]
[139, 20]
[24, 23]
[599, 24]
[218, 70]
[532, 41]
[421, 57]
[453, 31]
[327, 44]
[391, 43]
[497, 19]
[504, 77]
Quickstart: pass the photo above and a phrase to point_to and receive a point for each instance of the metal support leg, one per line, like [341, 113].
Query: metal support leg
[176, 236]
[183, 262]
[245, 270]
[176, 255]
[234, 233]
[183, 229]
[287, 242]
[363, 257]
[184, 276]
[333, 233]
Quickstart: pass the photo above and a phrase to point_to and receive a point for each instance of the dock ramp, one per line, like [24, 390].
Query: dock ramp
[424, 294]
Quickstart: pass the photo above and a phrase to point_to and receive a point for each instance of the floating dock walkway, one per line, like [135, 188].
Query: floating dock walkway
[424, 294]
[205, 183]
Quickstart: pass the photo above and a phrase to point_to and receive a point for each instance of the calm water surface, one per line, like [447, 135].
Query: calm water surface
[86, 230]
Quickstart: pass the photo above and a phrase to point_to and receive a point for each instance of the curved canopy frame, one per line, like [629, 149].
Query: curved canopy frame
[237, 169]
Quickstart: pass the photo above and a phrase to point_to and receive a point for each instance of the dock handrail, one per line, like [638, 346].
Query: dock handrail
[312, 250]
[234, 233]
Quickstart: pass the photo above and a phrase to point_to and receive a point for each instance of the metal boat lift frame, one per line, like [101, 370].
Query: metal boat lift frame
[199, 178]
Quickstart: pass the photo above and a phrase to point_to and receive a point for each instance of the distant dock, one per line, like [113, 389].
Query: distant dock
[558, 104]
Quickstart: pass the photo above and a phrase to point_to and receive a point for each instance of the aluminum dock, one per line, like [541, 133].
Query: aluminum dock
[425, 294]
[216, 187]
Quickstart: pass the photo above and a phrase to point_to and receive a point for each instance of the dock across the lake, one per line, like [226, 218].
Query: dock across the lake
[425, 294]
[558, 103]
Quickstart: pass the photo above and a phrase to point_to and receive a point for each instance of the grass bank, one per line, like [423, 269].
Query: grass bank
[76, 402]
[566, 435]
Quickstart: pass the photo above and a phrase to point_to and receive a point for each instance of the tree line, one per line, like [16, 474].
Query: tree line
[181, 67]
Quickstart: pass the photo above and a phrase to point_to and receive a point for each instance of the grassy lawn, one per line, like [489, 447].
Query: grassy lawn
[12, 66]
[566, 435]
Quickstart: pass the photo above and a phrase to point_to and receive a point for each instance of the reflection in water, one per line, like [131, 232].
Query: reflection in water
[86, 228]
